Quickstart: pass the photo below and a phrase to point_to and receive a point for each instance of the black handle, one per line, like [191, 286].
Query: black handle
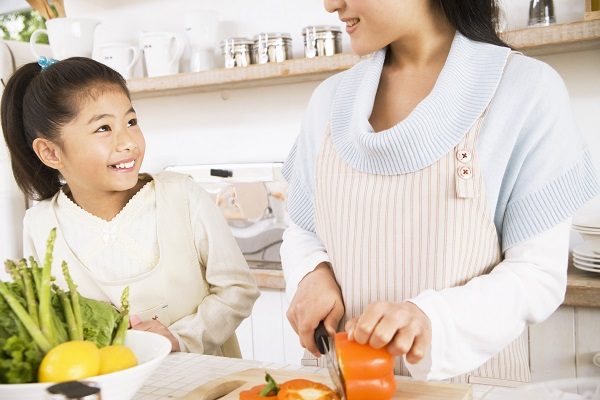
[321, 338]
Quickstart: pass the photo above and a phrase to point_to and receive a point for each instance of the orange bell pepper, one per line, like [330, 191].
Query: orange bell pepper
[368, 373]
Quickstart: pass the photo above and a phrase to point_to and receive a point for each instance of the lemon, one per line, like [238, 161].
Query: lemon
[69, 361]
[116, 358]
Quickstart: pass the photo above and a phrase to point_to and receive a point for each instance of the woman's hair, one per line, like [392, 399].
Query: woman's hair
[36, 103]
[474, 19]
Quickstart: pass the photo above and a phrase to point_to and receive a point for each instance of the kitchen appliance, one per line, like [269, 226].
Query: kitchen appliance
[272, 47]
[229, 387]
[322, 40]
[237, 52]
[252, 199]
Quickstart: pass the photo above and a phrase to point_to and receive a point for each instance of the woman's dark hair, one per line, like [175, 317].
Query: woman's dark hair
[38, 103]
[474, 19]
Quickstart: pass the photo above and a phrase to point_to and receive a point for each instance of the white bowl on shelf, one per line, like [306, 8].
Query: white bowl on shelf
[149, 348]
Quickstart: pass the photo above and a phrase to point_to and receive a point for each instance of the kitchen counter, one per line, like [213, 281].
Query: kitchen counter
[583, 288]
[181, 373]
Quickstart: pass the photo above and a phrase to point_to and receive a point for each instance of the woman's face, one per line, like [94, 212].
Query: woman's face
[103, 147]
[374, 24]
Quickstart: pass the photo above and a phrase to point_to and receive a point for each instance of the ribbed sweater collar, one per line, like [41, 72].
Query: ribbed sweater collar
[462, 92]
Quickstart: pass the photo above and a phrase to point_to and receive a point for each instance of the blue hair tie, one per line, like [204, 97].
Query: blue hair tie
[46, 62]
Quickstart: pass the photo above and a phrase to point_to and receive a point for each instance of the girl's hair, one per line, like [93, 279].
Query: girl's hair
[37, 103]
[475, 19]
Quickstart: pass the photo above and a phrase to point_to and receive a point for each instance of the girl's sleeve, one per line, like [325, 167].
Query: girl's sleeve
[232, 289]
[473, 322]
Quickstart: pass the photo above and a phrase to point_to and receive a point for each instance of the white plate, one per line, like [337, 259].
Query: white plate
[585, 229]
[592, 260]
[149, 348]
[583, 268]
[589, 248]
[588, 264]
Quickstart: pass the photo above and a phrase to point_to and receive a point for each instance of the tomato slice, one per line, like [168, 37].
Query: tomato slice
[300, 389]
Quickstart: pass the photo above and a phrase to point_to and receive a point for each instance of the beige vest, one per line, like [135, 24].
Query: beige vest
[157, 293]
[391, 237]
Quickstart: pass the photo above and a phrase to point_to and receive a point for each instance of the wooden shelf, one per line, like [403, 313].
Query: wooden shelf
[292, 71]
[575, 36]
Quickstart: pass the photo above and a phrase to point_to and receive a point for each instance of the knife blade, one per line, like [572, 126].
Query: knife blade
[326, 347]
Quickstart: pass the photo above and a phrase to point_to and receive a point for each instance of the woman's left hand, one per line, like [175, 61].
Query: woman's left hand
[402, 327]
[156, 327]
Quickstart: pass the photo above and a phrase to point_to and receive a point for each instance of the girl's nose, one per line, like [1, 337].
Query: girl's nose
[333, 5]
[125, 140]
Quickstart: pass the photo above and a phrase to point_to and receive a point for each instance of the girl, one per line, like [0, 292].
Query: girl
[430, 189]
[76, 146]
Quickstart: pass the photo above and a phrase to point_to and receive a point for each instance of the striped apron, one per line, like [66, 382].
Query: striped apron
[390, 237]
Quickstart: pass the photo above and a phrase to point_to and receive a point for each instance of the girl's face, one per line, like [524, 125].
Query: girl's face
[374, 24]
[102, 149]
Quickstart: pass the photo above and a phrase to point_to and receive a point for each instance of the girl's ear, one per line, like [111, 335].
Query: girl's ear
[48, 152]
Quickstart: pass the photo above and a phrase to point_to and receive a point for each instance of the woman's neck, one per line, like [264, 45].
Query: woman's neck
[427, 45]
[104, 205]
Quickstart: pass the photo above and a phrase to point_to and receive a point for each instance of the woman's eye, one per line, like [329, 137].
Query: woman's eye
[132, 122]
[103, 128]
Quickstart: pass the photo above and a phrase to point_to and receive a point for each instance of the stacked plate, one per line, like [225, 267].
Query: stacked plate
[586, 256]
[586, 223]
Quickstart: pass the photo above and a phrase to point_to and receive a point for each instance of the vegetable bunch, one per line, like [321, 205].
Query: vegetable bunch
[36, 315]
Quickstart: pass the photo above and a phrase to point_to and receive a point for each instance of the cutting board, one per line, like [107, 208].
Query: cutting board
[229, 387]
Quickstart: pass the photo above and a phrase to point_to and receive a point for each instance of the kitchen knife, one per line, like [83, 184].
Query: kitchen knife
[326, 347]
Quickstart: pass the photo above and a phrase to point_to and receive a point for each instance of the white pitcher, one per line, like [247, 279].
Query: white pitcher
[68, 37]
[162, 52]
[119, 56]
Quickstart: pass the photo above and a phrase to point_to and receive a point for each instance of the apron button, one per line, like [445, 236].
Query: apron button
[465, 172]
[464, 156]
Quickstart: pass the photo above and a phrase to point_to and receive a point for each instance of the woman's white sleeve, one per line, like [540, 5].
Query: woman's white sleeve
[471, 323]
[301, 251]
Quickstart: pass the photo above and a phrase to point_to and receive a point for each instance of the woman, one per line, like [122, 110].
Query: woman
[431, 190]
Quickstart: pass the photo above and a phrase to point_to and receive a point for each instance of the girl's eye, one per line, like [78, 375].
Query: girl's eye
[103, 128]
[132, 122]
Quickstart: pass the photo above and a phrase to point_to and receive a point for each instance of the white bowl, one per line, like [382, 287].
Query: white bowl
[571, 389]
[149, 348]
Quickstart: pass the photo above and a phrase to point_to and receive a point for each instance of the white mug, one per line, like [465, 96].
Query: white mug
[68, 37]
[119, 56]
[201, 28]
[162, 52]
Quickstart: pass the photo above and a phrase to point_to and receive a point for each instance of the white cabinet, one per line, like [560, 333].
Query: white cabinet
[565, 344]
[267, 335]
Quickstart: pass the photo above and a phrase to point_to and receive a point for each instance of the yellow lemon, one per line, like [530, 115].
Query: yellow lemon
[116, 358]
[69, 361]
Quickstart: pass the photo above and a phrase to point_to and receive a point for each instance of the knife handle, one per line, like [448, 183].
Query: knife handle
[322, 338]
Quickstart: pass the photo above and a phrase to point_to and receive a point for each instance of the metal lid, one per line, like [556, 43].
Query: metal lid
[236, 41]
[73, 390]
[273, 36]
[321, 28]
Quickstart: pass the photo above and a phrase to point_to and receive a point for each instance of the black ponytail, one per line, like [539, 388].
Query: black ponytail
[38, 103]
[475, 19]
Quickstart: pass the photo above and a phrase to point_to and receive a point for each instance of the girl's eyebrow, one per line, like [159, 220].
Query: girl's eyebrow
[100, 116]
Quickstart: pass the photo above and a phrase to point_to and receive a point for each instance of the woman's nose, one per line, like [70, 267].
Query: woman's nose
[333, 5]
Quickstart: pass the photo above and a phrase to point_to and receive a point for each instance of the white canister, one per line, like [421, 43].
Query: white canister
[272, 47]
[237, 52]
[322, 40]
[119, 56]
[162, 52]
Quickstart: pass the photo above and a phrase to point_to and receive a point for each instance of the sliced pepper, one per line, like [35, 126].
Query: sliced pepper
[368, 373]
[300, 389]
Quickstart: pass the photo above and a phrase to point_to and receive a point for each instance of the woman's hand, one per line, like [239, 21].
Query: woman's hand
[156, 327]
[317, 299]
[402, 327]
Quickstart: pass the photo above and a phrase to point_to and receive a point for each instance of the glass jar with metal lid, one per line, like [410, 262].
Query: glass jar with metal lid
[237, 52]
[322, 40]
[272, 47]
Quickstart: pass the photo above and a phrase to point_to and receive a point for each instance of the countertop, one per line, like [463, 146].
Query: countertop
[583, 288]
[180, 373]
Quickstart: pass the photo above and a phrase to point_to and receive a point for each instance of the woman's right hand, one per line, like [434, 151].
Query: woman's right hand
[318, 298]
